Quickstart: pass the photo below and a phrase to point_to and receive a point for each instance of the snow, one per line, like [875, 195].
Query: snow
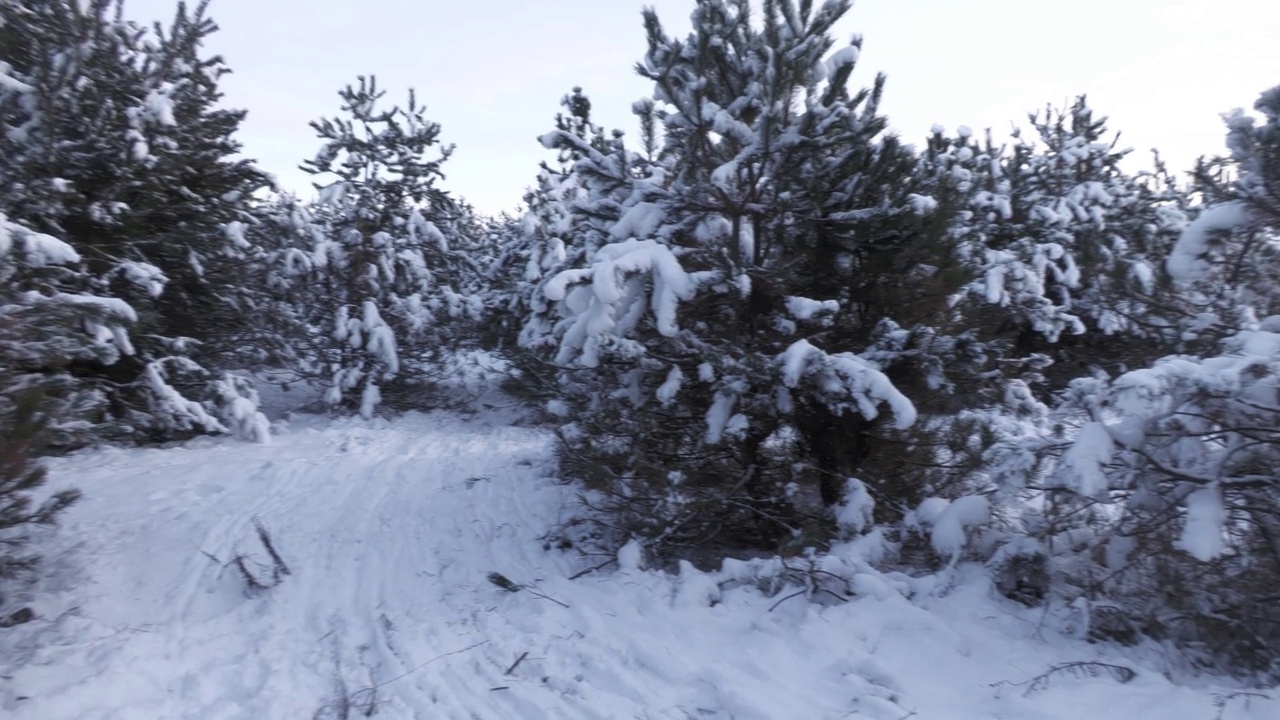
[391, 531]
[45, 250]
[240, 409]
[1187, 259]
[930, 509]
[145, 276]
[112, 306]
[235, 231]
[995, 293]
[1087, 458]
[718, 416]
[805, 309]
[170, 405]
[921, 204]
[631, 556]
[845, 376]
[10, 83]
[159, 105]
[666, 392]
[370, 398]
[1145, 275]
[952, 525]
[855, 510]
[608, 298]
[640, 221]
[419, 225]
[847, 55]
[1202, 533]
[382, 341]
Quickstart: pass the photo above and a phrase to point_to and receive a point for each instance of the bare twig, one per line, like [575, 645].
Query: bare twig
[797, 593]
[1079, 669]
[265, 537]
[511, 586]
[516, 664]
[536, 593]
[593, 568]
[1220, 700]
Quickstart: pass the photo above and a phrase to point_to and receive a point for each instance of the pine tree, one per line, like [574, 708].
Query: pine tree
[538, 244]
[42, 331]
[1224, 262]
[1153, 490]
[534, 247]
[728, 280]
[1069, 245]
[23, 433]
[389, 290]
[113, 142]
[45, 330]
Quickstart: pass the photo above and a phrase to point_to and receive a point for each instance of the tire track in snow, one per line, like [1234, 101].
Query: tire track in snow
[413, 532]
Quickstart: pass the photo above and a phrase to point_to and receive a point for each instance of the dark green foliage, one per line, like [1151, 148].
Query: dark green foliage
[799, 225]
[503, 582]
[113, 142]
[23, 434]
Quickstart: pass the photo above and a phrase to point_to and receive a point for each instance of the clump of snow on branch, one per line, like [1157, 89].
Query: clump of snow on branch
[845, 378]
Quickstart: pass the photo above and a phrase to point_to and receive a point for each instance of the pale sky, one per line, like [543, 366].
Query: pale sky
[492, 72]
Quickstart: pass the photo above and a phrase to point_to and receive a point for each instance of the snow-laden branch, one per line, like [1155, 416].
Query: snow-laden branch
[843, 377]
[611, 296]
[1187, 261]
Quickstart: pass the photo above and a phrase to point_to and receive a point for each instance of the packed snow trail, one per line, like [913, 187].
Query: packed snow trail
[390, 532]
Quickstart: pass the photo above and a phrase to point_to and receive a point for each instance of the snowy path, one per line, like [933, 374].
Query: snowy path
[391, 530]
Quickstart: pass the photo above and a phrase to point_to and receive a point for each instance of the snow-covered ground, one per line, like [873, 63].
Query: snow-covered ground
[391, 530]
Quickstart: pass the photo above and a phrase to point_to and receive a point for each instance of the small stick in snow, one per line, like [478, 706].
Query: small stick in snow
[265, 537]
[516, 664]
[510, 585]
[589, 570]
[535, 593]
[250, 580]
[794, 594]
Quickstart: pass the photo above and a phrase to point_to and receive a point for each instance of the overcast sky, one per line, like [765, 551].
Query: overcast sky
[491, 72]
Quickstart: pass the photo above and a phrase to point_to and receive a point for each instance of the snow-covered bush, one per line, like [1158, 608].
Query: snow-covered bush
[1170, 480]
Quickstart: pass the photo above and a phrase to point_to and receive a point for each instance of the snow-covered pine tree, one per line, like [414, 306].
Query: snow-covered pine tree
[713, 324]
[1069, 244]
[43, 330]
[388, 293]
[533, 247]
[113, 143]
[1156, 494]
[537, 244]
[1056, 251]
[1224, 262]
[46, 329]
